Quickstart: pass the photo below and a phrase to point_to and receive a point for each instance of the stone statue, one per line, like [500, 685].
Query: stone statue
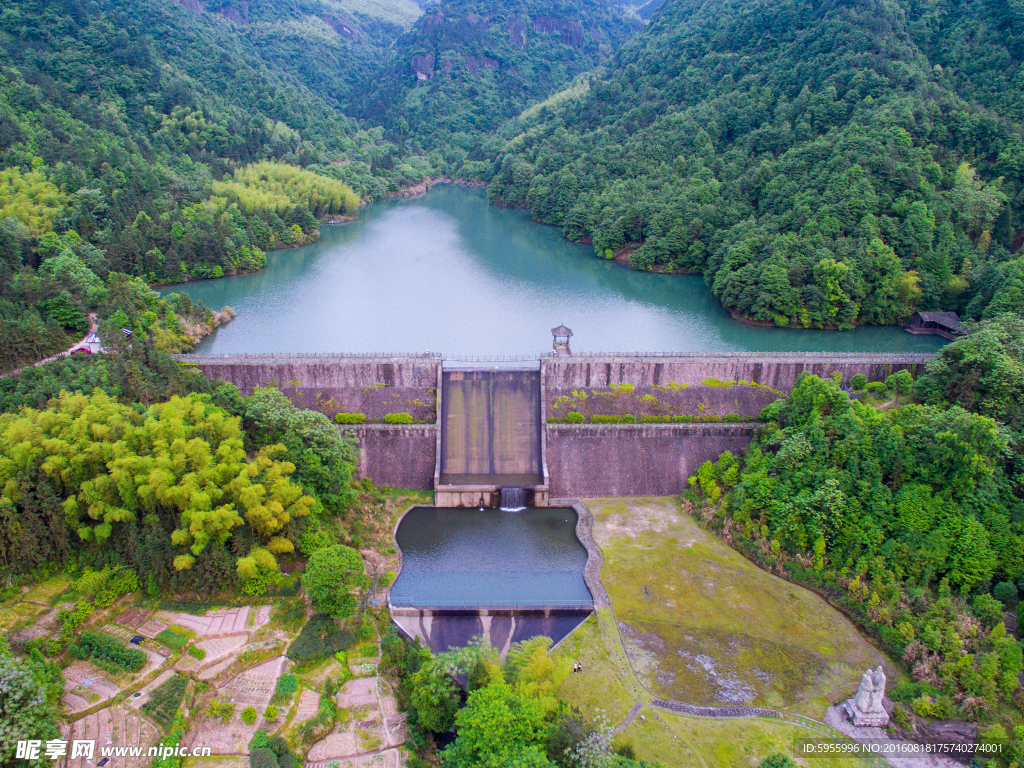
[865, 709]
[879, 692]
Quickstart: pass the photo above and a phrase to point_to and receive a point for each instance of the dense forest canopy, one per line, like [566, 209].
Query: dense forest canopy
[818, 163]
[466, 67]
[158, 141]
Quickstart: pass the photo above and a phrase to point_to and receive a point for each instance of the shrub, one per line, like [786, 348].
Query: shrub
[875, 386]
[398, 418]
[271, 712]
[220, 709]
[1006, 593]
[319, 639]
[858, 382]
[249, 715]
[778, 760]
[575, 417]
[259, 740]
[350, 418]
[386, 580]
[682, 417]
[331, 576]
[197, 653]
[164, 702]
[604, 418]
[262, 758]
[988, 610]
[732, 418]
[100, 647]
[285, 689]
[629, 418]
[925, 707]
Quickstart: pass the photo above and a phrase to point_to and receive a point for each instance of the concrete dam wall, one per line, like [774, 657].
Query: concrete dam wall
[634, 459]
[490, 428]
[400, 455]
[778, 371]
[335, 384]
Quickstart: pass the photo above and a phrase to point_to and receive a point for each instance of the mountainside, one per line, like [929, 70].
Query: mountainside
[330, 46]
[467, 66]
[165, 141]
[810, 159]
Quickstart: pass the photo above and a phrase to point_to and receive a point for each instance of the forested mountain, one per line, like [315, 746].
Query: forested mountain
[822, 164]
[469, 65]
[165, 141]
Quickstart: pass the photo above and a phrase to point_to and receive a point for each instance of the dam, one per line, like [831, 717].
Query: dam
[546, 431]
[555, 427]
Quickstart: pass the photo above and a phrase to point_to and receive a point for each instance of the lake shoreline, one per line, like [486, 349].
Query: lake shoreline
[445, 270]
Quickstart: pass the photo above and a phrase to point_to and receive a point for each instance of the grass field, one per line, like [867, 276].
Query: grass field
[703, 625]
[675, 740]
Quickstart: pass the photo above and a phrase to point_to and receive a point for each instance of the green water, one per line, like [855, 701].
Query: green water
[467, 557]
[448, 273]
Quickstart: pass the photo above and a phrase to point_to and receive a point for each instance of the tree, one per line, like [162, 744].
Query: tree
[858, 382]
[900, 382]
[26, 711]
[331, 576]
[435, 697]
[498, 728]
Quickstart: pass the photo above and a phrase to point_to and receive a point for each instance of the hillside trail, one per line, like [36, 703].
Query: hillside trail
[80, 344]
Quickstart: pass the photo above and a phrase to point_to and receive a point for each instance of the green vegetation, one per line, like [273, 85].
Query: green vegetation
[107, 651]
[350, 418]
[466, 67]
[331, 576]
[32, 689]
[904, 517]
[285, 689]
[812, 185]
[135, 511]
[153, 140]
[164, 702]
[172, 639]
[398, 418]
[137, 484]
[686, 595]
[320, 637]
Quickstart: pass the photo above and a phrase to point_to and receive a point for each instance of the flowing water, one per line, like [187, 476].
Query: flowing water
[446, 272]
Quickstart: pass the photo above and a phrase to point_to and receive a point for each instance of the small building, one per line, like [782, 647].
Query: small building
[561, 341]
[944, 324]
[93, 343]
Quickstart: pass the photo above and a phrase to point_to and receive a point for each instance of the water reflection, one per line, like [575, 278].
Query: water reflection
[448, 273]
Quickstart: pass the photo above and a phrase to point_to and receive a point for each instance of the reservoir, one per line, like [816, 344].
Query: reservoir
[446, 272]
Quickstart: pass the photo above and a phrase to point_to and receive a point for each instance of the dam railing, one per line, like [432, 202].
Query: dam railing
[455, 605]
[895, 357]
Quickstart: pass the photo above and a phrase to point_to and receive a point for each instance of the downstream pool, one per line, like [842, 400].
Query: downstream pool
[446, 272]
[465, 558]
